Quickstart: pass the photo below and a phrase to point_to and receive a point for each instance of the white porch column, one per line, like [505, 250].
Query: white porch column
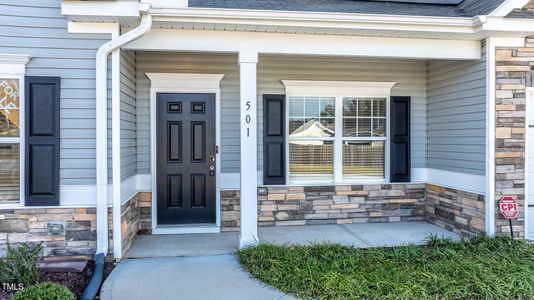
[249, 163]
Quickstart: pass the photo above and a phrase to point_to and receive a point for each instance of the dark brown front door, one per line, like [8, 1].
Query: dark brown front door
[185, 158]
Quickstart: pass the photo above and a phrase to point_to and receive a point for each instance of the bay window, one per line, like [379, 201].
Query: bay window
[337, 131]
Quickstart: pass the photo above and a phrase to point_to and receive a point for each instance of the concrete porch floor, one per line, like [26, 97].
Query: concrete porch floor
[357, 235]
[202, 266]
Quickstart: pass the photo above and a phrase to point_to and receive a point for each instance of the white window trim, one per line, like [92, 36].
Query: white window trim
[339, 90]
[14, 67]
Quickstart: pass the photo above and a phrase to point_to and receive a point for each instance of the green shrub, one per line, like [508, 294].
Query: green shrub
[45, 291]
[20, 265]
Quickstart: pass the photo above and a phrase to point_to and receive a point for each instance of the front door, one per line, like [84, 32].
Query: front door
[185, 158]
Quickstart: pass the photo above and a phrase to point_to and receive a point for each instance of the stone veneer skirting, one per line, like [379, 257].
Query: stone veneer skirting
[452, 209]
[29, 225]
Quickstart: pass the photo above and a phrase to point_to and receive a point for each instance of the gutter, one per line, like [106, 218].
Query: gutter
[101, 127]
[102, 244]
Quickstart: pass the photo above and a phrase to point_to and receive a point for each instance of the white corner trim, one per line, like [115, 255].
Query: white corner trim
[87, 27]
[14, 63]
[185, 81]
[334, 88]
[528, 146]
[507, 6]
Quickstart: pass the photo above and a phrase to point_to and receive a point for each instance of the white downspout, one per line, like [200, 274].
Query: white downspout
[102, 126]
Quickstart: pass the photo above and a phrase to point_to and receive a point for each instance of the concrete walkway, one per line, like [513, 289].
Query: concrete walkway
[201, 266]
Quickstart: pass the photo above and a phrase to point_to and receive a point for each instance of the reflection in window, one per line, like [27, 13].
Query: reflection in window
[9, 140]
[364, 117]
[311, 132]
[9, 108]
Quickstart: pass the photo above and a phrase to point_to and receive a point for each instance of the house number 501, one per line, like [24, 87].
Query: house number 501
[248, 117]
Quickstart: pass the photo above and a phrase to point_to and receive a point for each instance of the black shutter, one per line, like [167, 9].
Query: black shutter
[274, 148]
[400, 158]
[42, 141]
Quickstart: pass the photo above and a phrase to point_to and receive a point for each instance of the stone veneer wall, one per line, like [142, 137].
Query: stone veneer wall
[310, 205]
[454, 210]
[29, 225]
[129, 222]
[513, 74]
[145, 212]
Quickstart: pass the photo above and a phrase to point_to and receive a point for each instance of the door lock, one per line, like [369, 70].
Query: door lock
[212, 170]
[212, 158]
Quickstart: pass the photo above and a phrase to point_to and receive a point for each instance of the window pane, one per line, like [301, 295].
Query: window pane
[9, 107]
[296, 107]
[349, 127]
[379, 127]
[311, 105]
[350, 107]
[9, 172]
[295, 126]
[364, 127]
[379, 107]
[311, 160]
[363, 159]
[364, 107]
[327, 106]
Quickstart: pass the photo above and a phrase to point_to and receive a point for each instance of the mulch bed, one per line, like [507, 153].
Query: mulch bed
[76, 282]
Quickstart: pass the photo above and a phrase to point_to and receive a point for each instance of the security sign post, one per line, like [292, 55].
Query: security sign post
[508, 208]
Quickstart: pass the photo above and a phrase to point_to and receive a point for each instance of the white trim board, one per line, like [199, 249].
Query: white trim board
[529, 109]
[184, 83]
[302, 44]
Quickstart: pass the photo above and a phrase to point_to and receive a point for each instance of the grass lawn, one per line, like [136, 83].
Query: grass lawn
[479, 268]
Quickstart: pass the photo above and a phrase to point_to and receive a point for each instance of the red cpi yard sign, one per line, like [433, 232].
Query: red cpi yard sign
[508, 207]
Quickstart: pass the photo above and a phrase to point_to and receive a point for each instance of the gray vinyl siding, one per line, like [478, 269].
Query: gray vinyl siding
[128, 115]
[409, 75]
[37, 28]
[457, 116]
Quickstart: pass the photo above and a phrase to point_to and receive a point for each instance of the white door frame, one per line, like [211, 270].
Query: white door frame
[185, 83]
[528, 119]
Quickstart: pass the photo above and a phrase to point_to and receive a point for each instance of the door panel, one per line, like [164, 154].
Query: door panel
[185, 177]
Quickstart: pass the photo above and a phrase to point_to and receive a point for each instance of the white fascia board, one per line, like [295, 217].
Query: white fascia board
[507, 6]
[302, 44]
[89, 27]
[315, 19]
[100, 8]
[500, 24]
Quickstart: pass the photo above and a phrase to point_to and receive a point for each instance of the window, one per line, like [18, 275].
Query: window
[10, 154]
[311, 137]
[337, 131]
[364, 135]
